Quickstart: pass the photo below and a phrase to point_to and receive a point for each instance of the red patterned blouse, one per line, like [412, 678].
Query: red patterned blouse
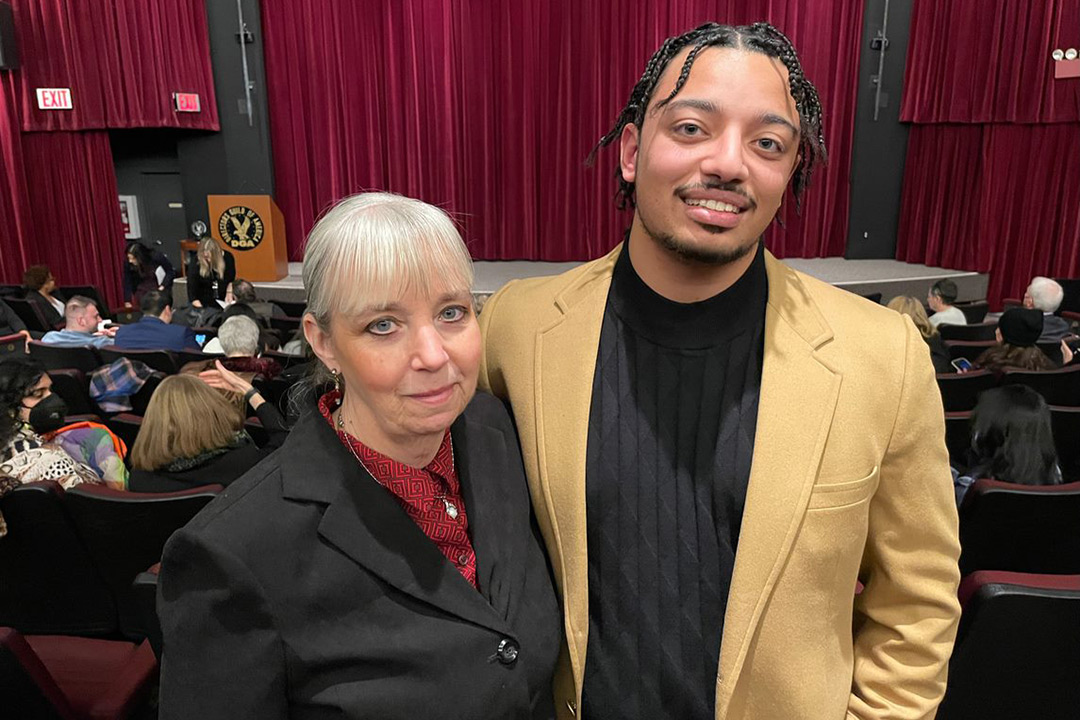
[431, 495]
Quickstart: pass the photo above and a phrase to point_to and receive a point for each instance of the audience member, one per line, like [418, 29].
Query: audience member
[153, 331]
[1011, 440]
[41, 292]
[210, 274]
[242, 291]
[11, 323]
[28, 409]
[1017, 333]
[1045, 295]
[239, 340]
[191, 435]
[81, 327]
[268, 339]
[941, 297]
[939, 354]
[145, 270]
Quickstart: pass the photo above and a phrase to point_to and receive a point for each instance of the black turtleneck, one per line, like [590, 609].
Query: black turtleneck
[671, 438]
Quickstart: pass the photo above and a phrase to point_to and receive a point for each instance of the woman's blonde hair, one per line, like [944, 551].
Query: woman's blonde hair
[370, 248]
[217, 257]
[185, 417]
[907, 305]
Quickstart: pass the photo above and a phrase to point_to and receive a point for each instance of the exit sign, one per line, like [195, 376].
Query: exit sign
[186, 102]
[54, 98]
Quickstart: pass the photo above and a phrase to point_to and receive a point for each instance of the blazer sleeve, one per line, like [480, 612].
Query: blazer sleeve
[223, 658]
[8, 318]
[907, 615]
[273, 423]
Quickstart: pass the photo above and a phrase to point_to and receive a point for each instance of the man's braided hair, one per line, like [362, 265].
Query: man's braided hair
[760, 37]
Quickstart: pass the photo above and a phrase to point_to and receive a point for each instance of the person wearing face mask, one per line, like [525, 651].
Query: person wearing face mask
[29, 410]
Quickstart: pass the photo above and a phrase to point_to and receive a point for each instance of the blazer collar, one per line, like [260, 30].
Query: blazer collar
[365, 522]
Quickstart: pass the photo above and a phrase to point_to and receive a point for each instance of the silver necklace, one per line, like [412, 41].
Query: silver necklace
[449, 507]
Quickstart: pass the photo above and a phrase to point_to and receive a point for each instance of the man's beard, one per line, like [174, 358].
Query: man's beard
[691, 253]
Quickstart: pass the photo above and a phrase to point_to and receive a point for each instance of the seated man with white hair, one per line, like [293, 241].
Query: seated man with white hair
[1046, 295]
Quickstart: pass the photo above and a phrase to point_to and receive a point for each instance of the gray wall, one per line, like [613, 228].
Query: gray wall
[236, 160]
[147, 166]
[877, 165]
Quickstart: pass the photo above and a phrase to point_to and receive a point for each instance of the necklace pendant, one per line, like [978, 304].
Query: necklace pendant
[451, 509]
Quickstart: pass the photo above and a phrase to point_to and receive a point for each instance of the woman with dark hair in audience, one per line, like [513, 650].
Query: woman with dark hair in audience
[41, 291]
[1017, 333]
[385, 562]
[939, 354]
[192, 435]
[210, 274]
[28, 410]
[1011, 440]
[145, 270]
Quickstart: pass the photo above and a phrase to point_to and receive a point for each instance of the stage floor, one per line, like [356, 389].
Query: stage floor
[888, 277]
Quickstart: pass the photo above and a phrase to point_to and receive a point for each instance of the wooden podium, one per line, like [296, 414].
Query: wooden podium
[253, 229]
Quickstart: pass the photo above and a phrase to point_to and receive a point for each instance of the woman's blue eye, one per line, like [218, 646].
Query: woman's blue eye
[452, 314]
[381, 327]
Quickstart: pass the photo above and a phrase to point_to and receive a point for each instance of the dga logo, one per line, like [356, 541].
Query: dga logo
[240, 228]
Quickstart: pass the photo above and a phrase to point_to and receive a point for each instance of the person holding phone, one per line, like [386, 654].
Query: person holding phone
[1018, 333]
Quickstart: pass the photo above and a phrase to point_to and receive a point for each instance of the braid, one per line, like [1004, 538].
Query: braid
[760, 37]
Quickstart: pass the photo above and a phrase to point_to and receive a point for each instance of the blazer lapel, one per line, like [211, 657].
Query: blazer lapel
[365, 523]
[497, 539]
[797, 401]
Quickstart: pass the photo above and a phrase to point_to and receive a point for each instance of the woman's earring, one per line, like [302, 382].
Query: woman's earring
[336, 375]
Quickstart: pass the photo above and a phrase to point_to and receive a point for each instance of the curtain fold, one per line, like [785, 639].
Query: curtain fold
[122, 60]
[991, 180]
[982, 61]
[488, 109]
[1003, 199]
[77, 234]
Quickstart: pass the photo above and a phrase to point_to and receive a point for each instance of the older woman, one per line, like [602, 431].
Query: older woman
[384, 563]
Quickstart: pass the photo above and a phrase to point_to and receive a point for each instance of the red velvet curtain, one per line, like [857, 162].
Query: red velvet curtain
[1003, 199]
[992, 178]
[488, 109]
[983, 61]
[122, 59]
[15, 216]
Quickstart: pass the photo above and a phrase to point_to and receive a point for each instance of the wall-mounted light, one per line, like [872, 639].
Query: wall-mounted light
[1058, 54]
[1070, 54]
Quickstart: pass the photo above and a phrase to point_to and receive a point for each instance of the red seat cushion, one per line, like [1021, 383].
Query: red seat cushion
[99, 678]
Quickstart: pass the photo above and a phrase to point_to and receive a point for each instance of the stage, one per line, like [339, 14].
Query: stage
[888, 277]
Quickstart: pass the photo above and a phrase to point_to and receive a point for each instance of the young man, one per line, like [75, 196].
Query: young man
[941, 297]
[81, 320]
[720, 447]
[153, 331]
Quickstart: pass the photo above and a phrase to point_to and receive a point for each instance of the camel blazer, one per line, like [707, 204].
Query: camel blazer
[850, 481]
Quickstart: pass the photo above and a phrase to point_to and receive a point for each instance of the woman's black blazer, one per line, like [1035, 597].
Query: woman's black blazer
[305, 591]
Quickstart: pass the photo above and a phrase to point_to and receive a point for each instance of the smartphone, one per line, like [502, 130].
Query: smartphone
[200, 338]
[962, 365]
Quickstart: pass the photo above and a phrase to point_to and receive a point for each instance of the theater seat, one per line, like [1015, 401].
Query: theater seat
[1066, 424]
[982, 331]
[56, 357]
[12, 346]
[48, 583]
[52, 676]
[160, 360]
[1020, 528]
[958, 438]
[1017, 652]
[960, 391]
[145, 588]
[969, 349]
[1058, 387]
[125, 533]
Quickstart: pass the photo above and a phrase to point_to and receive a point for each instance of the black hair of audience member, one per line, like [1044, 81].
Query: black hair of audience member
[239, 308]
[1011, 438]
[17, 380]
[244, 291]
[143, 256]
[946, 290]
[154, 302]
